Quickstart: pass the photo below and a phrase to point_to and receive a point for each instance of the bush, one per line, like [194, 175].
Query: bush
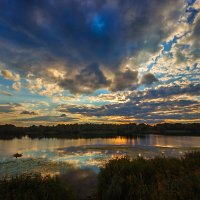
[156, 179]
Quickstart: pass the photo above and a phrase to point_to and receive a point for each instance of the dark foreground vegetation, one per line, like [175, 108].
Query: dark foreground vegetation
[120, 179]
[35, 187]
[97, 130]
[156, 179]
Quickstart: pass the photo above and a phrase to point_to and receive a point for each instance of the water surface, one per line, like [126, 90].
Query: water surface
[55, 155]
[9, 147]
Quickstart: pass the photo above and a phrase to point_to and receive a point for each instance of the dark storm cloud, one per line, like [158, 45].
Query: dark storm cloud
[89, 79]
[125, 80]
[148, 79]
[80, 33]
[70, 30]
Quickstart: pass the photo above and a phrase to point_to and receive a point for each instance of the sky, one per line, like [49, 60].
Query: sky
[99, 61]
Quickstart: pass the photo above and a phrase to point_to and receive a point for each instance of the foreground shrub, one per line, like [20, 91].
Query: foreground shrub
[155, 179]
[35, 187]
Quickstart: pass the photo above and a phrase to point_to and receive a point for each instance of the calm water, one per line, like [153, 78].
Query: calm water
[55, 155]
[9, 147]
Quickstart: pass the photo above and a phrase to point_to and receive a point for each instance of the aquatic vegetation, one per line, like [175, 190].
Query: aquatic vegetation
[14, 167]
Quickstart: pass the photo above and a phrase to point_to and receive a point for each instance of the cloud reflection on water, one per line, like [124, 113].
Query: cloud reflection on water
[55, 155]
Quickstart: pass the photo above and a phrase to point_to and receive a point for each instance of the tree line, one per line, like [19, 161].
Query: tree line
[9, 131]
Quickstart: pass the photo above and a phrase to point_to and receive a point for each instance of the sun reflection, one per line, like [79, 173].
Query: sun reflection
[120, 140]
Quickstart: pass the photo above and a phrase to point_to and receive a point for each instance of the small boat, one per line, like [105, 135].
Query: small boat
[17, 155]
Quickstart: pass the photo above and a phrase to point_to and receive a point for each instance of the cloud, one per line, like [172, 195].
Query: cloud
[48, 118]
[101, 59]
[152, 105]
[10, 75]
[16, 86]
[25, 112]
[195, 34]
[18, 108]
[142, 111]
[9, 107]
[148, 79]
[125, 80]
[86, 81]
[5, 93]
[165, 92]
[83, 33]
[114, 97]
[79, 109]
[43, 87]
[63, 115]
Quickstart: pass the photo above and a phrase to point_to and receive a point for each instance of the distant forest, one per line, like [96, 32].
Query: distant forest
[97, 130]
